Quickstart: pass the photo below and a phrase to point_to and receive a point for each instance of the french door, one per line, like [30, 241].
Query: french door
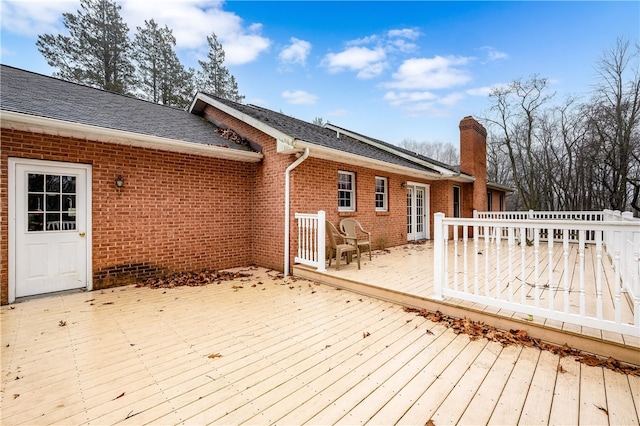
[417, 212]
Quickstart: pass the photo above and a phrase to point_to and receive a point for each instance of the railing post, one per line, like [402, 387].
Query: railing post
[438, 256]
[320, 241]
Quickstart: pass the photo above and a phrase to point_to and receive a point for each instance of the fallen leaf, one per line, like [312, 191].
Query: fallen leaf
[430, 423]
[602, 409]
[62, 323]
[108, 303]
[366, 334]
[15, 395]
[119, 396]
[430, 332]
[213, 356]
[561, 369]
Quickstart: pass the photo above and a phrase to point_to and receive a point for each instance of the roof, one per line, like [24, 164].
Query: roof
[302, 134]
[48, 100]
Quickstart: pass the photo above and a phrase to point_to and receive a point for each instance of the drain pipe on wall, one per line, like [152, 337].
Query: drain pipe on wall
[287, 207]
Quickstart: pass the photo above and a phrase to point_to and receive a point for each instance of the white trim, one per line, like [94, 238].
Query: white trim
[444, 171]
[12, 164]
[352, 208]
[51, 126]
[382, 166]
[385, 207]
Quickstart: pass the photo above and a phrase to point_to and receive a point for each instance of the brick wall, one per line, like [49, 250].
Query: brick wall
[176, 211]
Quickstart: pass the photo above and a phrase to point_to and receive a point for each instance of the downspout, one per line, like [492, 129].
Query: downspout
[287, 207]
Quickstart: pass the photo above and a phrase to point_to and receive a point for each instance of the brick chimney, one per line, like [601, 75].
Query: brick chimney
[473, 159]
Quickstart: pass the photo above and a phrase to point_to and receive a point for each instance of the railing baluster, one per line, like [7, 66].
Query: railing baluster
[582, 237]
[486, 261]
[599, 236]
[616, 262]
[498, 241]
[455, 258]
[550, 284]
[476, 260]
[565, 272]
[465, 240]
[511, 242]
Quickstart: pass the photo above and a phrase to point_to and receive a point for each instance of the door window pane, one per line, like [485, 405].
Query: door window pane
[36, 221]
[36, 202]
[53, 183]
[51, 203]
[36, 183]
[68, 184]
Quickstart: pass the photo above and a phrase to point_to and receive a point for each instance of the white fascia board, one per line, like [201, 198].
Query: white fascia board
[331, 154]
[283, 139]
[50, 126]
[411, 158]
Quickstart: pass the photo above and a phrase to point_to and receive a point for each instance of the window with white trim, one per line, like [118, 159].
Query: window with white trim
[381, 194]
[346, 191]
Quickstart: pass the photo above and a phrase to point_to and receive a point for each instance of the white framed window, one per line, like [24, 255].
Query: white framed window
[456, 201]
[346, 191]
[382, 194]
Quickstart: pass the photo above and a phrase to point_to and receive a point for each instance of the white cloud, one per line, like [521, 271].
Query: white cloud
[408, 33]
[367, 62]
[486, 90]
[400, 98]
[493, 54]
[35, 17]
[431, 73]
[191, 21]
[296, 52]
[451, 99]
[299, 97]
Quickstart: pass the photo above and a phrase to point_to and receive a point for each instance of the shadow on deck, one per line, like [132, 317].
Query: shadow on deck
[404, 275]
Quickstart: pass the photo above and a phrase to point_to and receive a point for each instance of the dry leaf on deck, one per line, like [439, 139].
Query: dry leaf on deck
[213, 356]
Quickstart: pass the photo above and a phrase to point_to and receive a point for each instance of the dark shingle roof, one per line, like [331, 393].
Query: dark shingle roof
[324, 137]
[38, 95]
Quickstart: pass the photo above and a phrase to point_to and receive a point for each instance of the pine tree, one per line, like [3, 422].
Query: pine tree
[214, 78]
[97, 51]
[161, 76]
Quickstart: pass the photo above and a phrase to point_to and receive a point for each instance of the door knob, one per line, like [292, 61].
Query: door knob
[82, 234]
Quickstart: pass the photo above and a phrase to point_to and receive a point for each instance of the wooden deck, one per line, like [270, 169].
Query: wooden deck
[404, 274]
[267, 350]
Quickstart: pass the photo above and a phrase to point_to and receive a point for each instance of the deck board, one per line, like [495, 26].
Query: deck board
[292, 353]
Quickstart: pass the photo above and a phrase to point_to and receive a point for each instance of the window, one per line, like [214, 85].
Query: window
[489, 201]
[456, 201]
[346, 191]
[381, 194]
[51, 201]
[501, 202]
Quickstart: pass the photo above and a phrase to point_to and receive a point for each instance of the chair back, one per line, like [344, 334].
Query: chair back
[331, 233]
[348, 226]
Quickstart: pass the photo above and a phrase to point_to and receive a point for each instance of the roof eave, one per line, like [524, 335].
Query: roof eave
[408, 157]
[201, 100]
[32, 123]
[317, 151]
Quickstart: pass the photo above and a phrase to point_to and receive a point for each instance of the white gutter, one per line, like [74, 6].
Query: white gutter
[51, 126]
[287, 207]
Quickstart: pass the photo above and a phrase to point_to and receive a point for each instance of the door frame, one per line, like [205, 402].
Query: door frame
[12, 194]
[427, 207]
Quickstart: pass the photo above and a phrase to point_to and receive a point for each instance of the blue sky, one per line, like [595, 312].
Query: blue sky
[390, 70]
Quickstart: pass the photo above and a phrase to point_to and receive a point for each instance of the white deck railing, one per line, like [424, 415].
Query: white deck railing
[311, 240]
[526, 275]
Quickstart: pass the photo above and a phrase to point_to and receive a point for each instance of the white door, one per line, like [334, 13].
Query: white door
[417, 212]
[49, 207]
